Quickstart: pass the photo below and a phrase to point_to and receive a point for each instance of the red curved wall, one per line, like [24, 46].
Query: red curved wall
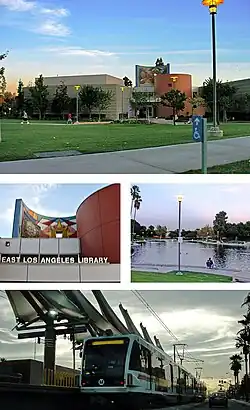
[98, 224]
[164, 83]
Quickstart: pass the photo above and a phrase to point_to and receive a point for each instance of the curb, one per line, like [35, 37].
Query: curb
[184, 406]
[241, 402]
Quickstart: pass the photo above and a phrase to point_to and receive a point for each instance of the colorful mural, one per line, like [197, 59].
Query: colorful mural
[29, 224]
[146, 75]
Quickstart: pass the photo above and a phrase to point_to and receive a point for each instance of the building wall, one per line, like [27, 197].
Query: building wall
[98, 222]
[72, 80]
[114, 111]
[164, 83]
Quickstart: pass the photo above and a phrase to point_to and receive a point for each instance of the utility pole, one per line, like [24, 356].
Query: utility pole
[183, 345]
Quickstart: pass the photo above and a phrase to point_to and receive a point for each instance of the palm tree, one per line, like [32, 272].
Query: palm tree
[137, 204]
[236, 367]
[135, 193]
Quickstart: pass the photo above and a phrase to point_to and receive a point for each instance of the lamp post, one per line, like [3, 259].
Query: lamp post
[180, 199]
[174, 79]
[77, 87]
[212, 5]
[122, 88]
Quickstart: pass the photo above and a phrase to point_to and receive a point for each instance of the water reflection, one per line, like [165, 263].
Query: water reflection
[192, 254]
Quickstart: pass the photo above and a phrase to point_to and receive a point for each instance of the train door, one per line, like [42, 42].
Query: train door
[146, 367]
[171, 377]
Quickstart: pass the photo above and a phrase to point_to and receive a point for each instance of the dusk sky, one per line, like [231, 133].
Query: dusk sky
[200, 204]
[111, 37]
[46, 199]
[214, 313]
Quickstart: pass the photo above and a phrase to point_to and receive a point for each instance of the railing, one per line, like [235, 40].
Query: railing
[60, 379]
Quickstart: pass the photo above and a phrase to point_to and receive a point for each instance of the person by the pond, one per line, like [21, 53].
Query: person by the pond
[209, 263]
[25, 118]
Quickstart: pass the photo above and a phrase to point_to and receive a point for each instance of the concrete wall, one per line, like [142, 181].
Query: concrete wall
[72, 80]
[98, 222]
[119, 101]
[39, 246]
[75, 273]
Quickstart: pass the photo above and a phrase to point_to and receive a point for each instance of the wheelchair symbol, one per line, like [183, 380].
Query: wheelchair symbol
[196, 135]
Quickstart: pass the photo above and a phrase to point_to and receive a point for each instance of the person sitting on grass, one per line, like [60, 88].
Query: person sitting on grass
[209, 263]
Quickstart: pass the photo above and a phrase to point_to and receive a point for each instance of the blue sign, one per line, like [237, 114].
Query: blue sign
[198, 128]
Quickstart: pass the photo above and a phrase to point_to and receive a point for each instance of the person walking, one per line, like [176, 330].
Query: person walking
[25, 118]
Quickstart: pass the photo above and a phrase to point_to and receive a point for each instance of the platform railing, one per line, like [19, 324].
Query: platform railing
[60, 379]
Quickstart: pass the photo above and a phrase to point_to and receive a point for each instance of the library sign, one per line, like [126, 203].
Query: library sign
[66, 260]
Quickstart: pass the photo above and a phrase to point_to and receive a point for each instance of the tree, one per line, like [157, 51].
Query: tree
[104, 98]
[174, 99]
[135, 194]
[205, 232]
[39, 95]
[127, 82]
[140, 99]
[225, 94]
[241, 103]
[89, 97]
[20, 96]
[196, 102]
[61, 100]
[220, 224]
[236, 367]
[2, 76]
[160, 67]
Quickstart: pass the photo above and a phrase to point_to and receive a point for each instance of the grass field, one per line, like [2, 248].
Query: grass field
[240, 167]
[23, 141]
[172, 277]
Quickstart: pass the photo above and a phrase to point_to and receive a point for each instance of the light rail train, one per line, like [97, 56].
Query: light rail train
[127, 372]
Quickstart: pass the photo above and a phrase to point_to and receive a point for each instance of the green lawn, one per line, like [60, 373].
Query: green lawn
[22, 141]
[240, 167]
[172, 277]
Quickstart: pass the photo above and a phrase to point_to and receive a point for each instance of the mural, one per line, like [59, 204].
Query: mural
[145, 75]
[29, 224]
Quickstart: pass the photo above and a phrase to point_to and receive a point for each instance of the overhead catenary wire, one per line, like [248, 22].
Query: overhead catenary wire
[169, 331]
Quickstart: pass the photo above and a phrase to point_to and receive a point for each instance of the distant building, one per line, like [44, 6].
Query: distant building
[121, 95]
[29, 371]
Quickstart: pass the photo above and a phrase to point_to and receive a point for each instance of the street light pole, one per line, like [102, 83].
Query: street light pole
[180, 198]
[77, 87]
[214, 71]
[122, 88]
[213, 5]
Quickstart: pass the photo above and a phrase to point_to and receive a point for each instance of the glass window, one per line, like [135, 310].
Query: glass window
[105, 359]
[140, 359]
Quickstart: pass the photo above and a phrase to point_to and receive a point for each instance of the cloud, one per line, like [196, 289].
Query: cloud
[53, 28]
[35, 196]
[61, 12]
[77, 51]
[18, 5]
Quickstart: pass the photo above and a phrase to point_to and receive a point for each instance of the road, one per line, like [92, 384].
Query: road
[161, 160]
[232, 405]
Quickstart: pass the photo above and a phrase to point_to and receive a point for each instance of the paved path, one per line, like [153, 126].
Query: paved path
[162, 160]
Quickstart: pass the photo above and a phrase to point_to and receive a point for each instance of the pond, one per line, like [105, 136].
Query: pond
[192, 254]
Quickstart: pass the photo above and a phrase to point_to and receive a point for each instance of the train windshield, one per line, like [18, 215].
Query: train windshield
[105, 358]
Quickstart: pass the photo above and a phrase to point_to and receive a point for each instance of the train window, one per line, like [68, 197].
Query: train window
[140, 359]
[135, 358]
[158, 367]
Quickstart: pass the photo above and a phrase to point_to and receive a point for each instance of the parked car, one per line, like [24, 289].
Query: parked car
[218, 399]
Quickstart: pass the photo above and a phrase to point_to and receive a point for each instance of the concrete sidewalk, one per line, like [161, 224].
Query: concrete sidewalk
[161, 160]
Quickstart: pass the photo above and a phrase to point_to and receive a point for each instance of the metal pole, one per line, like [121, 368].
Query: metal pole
[204, 146]
[122, 106]
[214, 71]
[174, 354]
[179, 237]
[35, 350]
[77, 105]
